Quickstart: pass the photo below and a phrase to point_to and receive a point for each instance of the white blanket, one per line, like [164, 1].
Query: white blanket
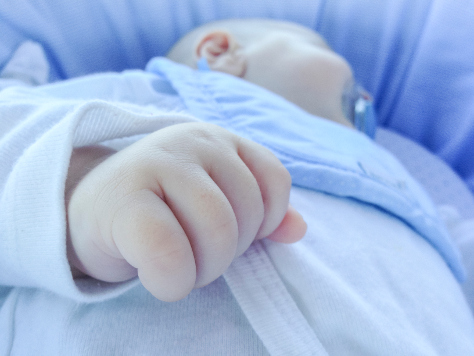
[360, 282]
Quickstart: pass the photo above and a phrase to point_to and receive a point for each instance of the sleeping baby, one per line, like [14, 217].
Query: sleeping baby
[181, 175]
[210, 193]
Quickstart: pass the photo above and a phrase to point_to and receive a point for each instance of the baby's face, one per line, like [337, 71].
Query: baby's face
[285, 58]
[297, 64]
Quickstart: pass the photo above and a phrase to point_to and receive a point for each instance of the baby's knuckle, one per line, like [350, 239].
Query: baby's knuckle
[224, 231]
[208, 135]
[223, 227]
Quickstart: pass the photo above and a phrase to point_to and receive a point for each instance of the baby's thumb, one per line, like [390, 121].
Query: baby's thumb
[291, 229]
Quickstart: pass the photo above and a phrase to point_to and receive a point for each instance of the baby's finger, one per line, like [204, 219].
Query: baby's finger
[241, 189]
[291, 229]
[273, 180]
[207, 218]
[148, 236]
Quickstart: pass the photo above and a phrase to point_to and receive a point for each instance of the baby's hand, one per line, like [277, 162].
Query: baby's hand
[177, 207]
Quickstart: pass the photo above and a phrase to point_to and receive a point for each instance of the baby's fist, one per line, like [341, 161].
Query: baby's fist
[177, 207]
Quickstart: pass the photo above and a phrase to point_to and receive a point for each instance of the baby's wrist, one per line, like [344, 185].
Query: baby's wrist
[83, 160]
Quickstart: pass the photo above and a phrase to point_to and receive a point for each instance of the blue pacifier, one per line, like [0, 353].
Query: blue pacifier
[359, 109]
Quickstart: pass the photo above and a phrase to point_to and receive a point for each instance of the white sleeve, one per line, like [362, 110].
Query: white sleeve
[37, 134]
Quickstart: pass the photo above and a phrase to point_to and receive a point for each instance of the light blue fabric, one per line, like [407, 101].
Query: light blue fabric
[310, 148]
[415, 57]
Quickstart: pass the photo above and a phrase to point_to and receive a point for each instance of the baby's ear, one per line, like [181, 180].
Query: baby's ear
[222, 53]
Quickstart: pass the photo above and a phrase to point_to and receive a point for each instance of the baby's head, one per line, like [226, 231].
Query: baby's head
[285, 58]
